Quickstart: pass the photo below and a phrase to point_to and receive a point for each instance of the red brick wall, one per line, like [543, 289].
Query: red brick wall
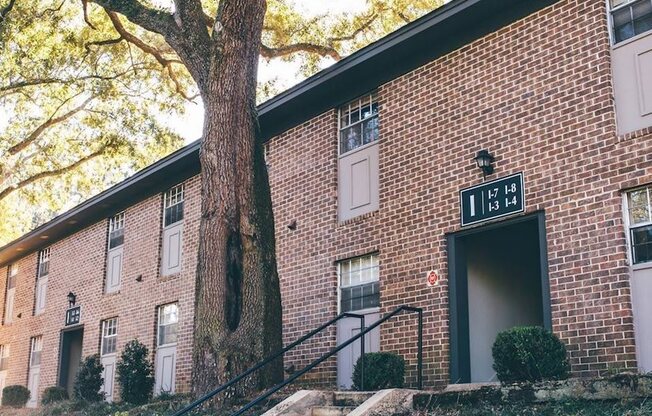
[538, 94]
[77, 264]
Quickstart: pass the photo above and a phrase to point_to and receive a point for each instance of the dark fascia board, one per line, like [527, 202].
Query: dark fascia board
[435, 34]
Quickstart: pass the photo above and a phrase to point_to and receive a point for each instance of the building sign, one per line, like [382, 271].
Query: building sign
[493, 199]
[73, 316]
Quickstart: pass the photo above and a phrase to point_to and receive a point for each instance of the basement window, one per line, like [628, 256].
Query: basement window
[640, 224]
[630, 18]
[359, 286]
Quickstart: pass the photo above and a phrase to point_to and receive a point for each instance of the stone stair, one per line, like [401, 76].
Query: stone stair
[343, 403]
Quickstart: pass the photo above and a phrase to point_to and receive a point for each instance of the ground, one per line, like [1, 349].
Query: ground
[570, 408]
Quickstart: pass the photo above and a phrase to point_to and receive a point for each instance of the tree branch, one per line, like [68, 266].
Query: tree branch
[43, 81]
[33, 136]
[5, 10]
[149, 19]
[165, 62]
[50, 173]
[269, 52]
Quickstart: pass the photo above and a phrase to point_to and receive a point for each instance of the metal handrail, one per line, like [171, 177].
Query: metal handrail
[268, 360]
[345, 344]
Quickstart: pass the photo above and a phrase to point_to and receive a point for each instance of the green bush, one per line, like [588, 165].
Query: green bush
[53, 395]
[529, 353]
[88, 381]
[382, 370]
[135, 373]
[15, 396]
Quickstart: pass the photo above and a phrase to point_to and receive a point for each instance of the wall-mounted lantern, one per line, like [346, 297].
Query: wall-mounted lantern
[484, 160]
[72, 299]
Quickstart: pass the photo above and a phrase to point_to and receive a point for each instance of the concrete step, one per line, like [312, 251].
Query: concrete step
[331, 410]
[351, 398]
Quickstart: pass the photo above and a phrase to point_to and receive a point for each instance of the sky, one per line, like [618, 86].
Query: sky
[285, 73]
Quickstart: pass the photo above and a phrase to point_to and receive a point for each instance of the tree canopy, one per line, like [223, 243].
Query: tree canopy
[88, 98]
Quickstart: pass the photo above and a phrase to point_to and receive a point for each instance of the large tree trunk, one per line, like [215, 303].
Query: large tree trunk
[238, 308]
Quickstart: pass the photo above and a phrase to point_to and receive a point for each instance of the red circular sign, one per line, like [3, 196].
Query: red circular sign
[432, 278]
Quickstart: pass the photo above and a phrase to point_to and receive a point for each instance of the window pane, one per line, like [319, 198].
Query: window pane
[370, 130]
[638, 206]
[642, 244]
[616, 3]
[167, 334]
[116, 238]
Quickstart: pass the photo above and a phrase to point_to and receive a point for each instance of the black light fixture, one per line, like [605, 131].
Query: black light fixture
[72, 299]
[484, 160]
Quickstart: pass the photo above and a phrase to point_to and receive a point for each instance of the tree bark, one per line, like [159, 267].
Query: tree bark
[238, 309]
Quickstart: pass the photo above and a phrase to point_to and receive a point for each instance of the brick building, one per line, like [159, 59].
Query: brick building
[374, 185]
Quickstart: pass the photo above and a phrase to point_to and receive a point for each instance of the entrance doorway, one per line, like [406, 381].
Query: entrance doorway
[498, 279]
[71, 354]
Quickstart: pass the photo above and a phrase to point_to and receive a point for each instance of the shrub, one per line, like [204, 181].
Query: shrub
[15, 396]
[529, 353]
[88, 381]
[382, 370]
[135, 373]
[53, 395]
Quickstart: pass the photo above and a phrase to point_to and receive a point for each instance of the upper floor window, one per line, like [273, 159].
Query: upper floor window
[116, 230]
[359, 286]
[10, 295]
[44, 262]
[357, 168]
[4, 357]
[358, 123]
[173, 205]
[630, 18]
[168, 322]
[35, 351]
[109, 336]
[640, 224]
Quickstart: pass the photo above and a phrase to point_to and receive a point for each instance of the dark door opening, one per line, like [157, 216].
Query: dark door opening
[498, 279]
[71, 353]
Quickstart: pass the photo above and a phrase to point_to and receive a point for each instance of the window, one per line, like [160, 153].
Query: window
[4, 357]
[359, 286]
[168, 322]
[116, 230]
[358, 123]
[630, 18]
[12, 275]
[35, 354]
[358, 160]
[44, 262]
[114, 254]
[172, 230]
[42, 281]
[109, 336]
[173, 205]
[640, 224]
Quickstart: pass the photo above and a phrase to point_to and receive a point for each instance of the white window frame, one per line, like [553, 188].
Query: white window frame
[12, 276]
[116, 223]
[629, 225]
[372, 98]
[4, 357]
[36, 345]
[43, 258]
[159, 324]
[171, 197]
[109, 330]
[341, 286]
[610, 20]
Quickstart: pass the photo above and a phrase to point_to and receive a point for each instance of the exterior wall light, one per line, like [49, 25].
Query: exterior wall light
[484, 160]
[72, 299]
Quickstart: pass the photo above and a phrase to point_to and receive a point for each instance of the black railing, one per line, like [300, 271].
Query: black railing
[363, 331]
